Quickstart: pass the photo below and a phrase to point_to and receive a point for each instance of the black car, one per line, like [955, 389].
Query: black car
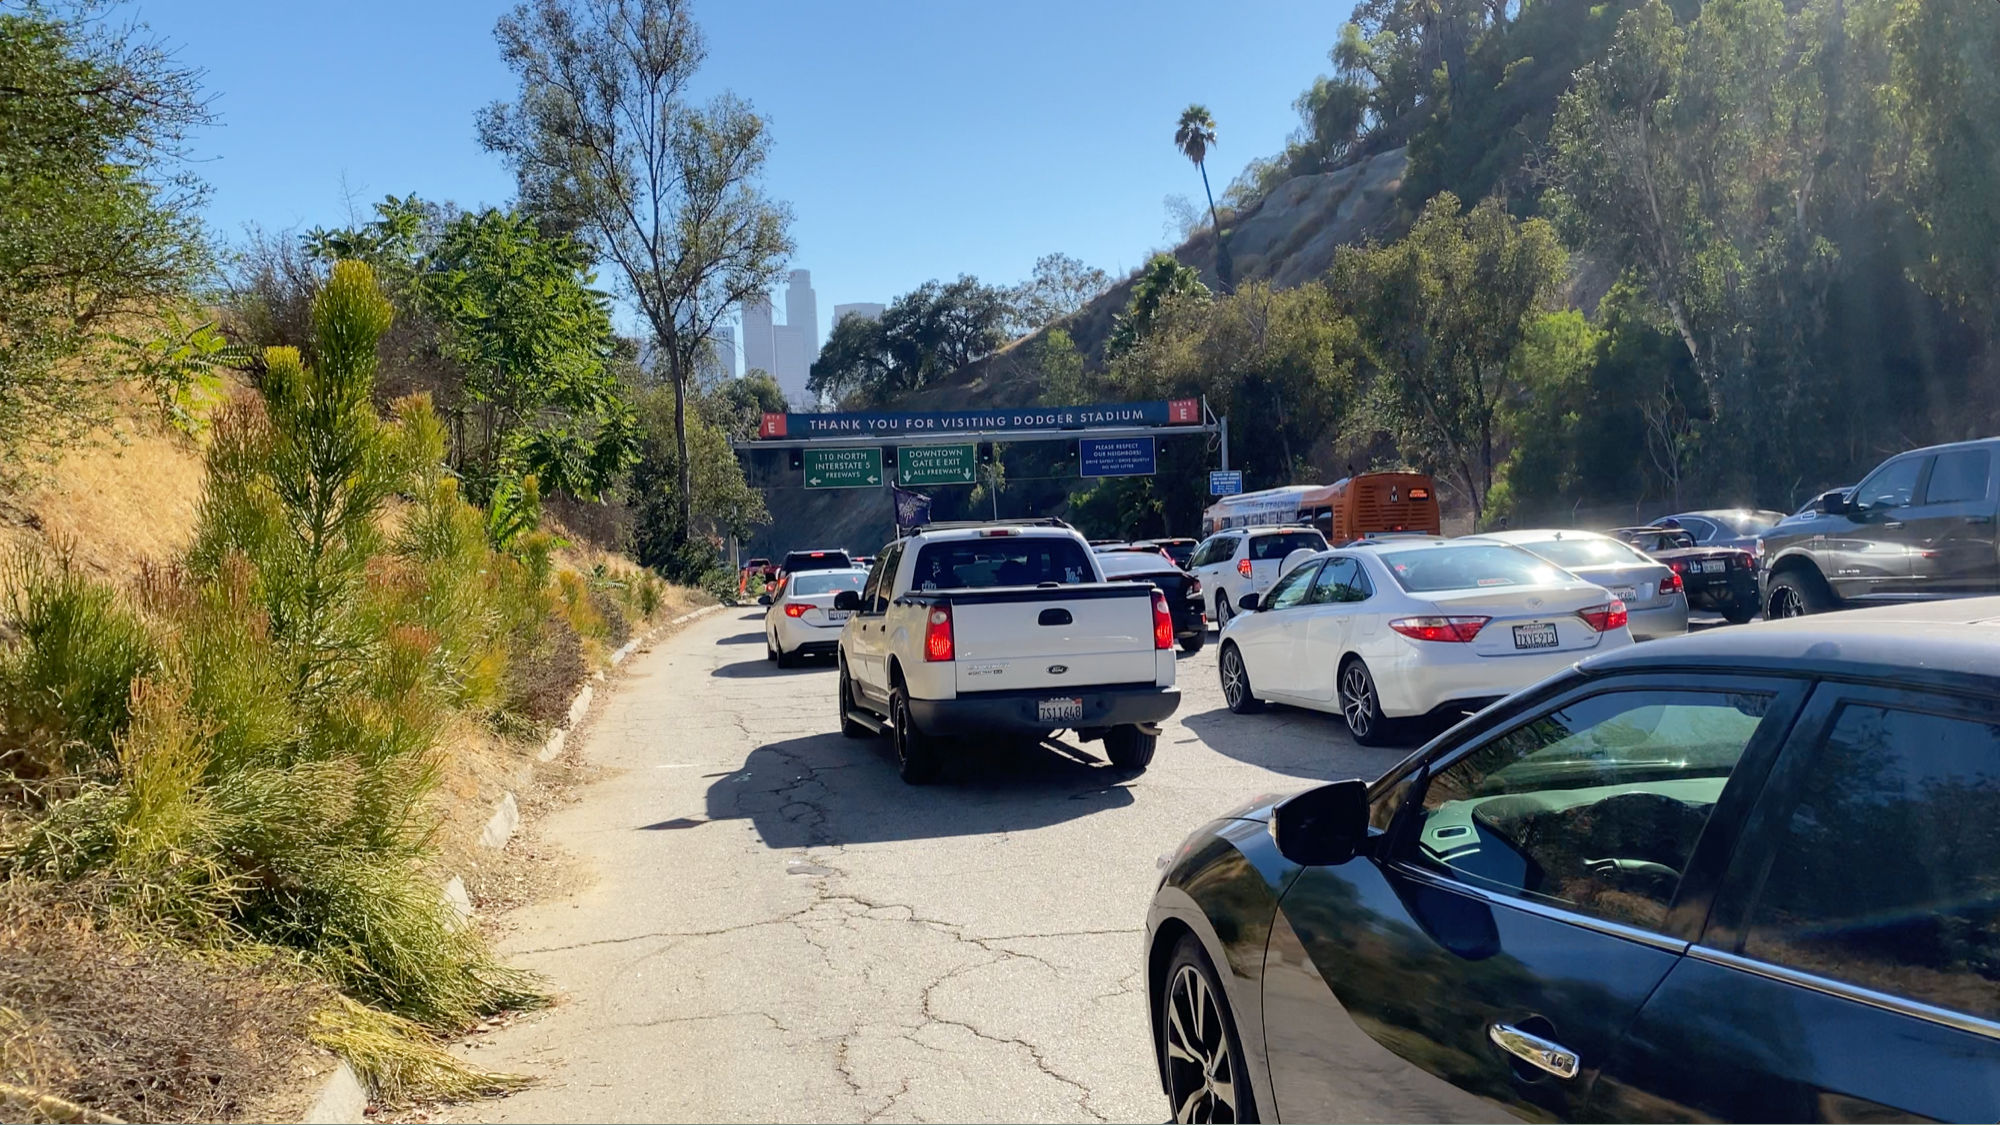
[1747, 875]
[1179, 550]
[798, 561]
[1719, 579]
[1182, 589]
[1724, 527]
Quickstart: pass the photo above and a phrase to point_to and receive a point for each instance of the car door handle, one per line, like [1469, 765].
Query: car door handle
[1979, 519]
[1892, 523]
[1540, 1053]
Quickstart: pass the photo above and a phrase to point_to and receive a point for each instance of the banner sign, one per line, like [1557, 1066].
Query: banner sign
[913, 509]
[1115, 457]
[1179, 412]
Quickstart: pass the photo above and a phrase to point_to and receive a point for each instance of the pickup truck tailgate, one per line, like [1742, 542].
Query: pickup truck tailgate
[1069, 636]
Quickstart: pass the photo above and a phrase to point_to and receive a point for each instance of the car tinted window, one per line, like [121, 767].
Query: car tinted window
[1278, 546]
[1291, 589]
[958, 564]
[1586, 551]
[1133, 562]
[1595, 805]
[1893, 485]
[1959, 476]
[1468, 566]
[1209, 552]
[828, 582]
[1340, 580]
[1888, 872]
[882, 581]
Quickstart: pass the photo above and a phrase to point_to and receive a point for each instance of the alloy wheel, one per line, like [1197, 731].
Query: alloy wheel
[1232, 677]
[1357, 699]
[1785, 602]
[1201, 1074]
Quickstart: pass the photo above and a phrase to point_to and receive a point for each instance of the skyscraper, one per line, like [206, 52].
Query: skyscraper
[720, 362]
[758, 353]
[802, 311]
[787, 350]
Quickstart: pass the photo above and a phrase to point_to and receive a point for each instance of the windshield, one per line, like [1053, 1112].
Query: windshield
[1278, 546]
[1134, 562]
[830, 582]
[960, 564]
[1468, 567]
[1577, 552]
[817, 560]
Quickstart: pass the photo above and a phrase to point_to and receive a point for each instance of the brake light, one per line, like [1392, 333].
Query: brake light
[819, 554]
[997, 532]
[1605, 618]
[1671, 584]
[1243, 567]
[796, 609]
[1163, 622]
[1456, 630]
[1745, 559]
[1678, 565]
[937, 633]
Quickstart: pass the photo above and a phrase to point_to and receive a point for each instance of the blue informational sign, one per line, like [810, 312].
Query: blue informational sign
[1178, 412]
[1225, 482]
[1115, 457]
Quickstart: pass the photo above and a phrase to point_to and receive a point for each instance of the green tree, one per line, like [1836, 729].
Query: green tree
[923, 336]
[1164, 282]
[1194, 135]
[1947, 67]
[1060, 287]
[1058, 369]
[739, 405]
[604, 142]
[98, 212]
[1442, 312]
[725, 503]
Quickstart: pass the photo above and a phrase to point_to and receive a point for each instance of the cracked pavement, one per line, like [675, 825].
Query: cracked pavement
[780, 930]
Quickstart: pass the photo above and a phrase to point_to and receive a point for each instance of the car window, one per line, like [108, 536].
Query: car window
[1701, 529]
[1888, 871]
[1339, 581]
[1751, 523]
[881, 581]
[1208, 553]
[1264, 547]
[827, 582]
[1468, 566]
[1012, 560]
[1586, 551]
[1595, 805]
[1893, 485]
[1292, 589]
[1959, 476]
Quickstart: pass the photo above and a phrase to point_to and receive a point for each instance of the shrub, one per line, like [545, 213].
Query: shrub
[545, 673]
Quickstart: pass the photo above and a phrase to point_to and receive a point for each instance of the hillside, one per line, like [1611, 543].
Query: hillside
[1288, 237]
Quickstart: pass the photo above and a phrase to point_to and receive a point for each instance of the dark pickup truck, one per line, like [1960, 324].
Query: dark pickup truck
[1921, 526]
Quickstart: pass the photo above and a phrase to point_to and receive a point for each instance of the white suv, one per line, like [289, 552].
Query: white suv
[1246, 560]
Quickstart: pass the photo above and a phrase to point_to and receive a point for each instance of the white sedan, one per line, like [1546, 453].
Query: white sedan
[1392, 630]
[802, 621]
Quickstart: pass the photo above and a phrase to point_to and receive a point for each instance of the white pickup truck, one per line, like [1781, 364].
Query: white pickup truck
[1003, 628]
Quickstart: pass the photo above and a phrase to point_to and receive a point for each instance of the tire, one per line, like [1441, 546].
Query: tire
[1740, 611]
[1796, 593]
[917, 761]
[1130, 748]
[848, 727]
[1224, 611]
[787, 659]
[770, 648]
[1193, 644]
[1241, 698]
[1361, 705]
[1206, 1078]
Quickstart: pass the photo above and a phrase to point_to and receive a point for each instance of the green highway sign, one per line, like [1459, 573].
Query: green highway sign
[844, 468]
[935, 464]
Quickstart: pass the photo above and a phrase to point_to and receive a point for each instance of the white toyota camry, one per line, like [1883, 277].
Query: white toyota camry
[802, 621]
[1397, 629]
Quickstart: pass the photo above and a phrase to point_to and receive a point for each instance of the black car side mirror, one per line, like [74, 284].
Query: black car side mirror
[763, 599]
[1835, 504]
[1247, 603]
[1324, 826]
[847, 601]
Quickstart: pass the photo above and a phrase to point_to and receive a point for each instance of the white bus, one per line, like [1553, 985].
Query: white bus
[1267, 508]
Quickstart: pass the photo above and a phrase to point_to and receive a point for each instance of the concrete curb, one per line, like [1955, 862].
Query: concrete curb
[343, 1100]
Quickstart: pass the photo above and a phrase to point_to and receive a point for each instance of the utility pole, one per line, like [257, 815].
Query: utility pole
[1225, 443]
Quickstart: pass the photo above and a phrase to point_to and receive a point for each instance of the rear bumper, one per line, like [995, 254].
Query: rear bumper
[1740, 589]
[1670, 620]
[1411, 680]
[1016, 711]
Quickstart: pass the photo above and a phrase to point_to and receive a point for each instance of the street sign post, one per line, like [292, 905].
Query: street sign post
[918, 465]
[1115, 457]
[1227, 482]
[844, 468]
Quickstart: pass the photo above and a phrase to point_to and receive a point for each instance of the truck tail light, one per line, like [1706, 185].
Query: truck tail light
[937, 633]
[1456, 630]
[1163, 622]
[1243, 567]
[1671, 584]
[796, 609]
[1607, 617]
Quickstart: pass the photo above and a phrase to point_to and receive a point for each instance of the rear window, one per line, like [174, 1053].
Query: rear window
[831, 582]
[1133, 562]
[1750, 523]
[1468, 567]
[1278, 546]
[817, 560]
[959, 564]
[1587, 552]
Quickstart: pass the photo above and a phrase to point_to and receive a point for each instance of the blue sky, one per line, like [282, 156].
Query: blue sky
[914, 139]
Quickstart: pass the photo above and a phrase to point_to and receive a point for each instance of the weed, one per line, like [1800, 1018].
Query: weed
[398, 1060]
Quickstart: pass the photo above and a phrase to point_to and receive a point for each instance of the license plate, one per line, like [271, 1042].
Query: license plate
[836, 616]
[1535, 636]
[1625, 593]
[1713, 566]
[1059, 710]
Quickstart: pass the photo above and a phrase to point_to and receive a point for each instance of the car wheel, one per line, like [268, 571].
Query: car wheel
[787, 659]
[770, 647]
[1192, 645]
[1361, 705]
[1796, 593]
[1740, 611]
[1224, 611]
[1206, 1078]
[1236, 681]
[917, 759]
[1130, 748]
[848, 726]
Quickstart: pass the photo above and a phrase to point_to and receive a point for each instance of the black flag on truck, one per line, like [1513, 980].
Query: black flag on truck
[913, 509]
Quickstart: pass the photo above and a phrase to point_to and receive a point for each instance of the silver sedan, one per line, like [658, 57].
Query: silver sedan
[1650, 589]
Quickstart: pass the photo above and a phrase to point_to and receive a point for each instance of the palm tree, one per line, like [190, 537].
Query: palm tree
[1193, 136]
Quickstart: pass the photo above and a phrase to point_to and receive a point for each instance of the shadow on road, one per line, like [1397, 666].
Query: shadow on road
[1292, 741]
[741, 639]
[824, 789]
[760, 668]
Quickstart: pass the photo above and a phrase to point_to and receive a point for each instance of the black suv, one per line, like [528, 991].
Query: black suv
[799, 561]
[1920, 526]
[1747, 875]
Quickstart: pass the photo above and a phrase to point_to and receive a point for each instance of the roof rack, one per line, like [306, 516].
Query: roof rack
[960, 525]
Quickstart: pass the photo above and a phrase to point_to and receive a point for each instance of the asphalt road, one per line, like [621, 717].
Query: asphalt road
[779, 929]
